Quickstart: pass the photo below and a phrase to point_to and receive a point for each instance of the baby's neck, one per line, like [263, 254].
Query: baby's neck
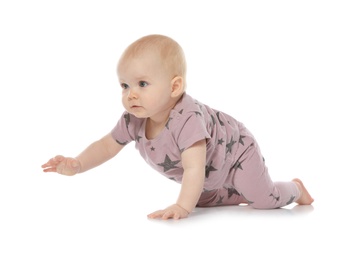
[154, 128]
[155, 125]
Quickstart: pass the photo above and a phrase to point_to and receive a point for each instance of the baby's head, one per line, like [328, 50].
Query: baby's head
[152, 73]
[163, 49]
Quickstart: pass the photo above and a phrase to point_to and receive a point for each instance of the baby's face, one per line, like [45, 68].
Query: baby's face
[146, 86]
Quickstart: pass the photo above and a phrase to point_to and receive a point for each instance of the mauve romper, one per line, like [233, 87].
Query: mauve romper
[235, 170]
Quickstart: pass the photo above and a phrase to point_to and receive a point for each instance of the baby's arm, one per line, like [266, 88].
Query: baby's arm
[193, 162]
[94, 155]
[99, 152]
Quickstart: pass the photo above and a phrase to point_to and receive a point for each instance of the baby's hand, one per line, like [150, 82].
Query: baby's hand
[63, 165]
[174, 211]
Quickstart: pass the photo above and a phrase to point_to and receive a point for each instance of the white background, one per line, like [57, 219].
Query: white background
[281, 67]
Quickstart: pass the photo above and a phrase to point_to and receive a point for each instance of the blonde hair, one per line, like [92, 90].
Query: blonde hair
[170, 52]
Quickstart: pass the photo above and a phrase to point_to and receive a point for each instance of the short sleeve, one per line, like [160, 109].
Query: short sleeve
[126, 129]
[191, 130]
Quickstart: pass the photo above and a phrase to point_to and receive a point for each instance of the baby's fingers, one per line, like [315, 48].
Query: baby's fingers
[49, 169]
[156, 214]
[52, 163]
[164, 214]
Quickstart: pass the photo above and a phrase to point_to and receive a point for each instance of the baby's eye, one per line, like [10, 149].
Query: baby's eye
[124, 85]
[143, 84]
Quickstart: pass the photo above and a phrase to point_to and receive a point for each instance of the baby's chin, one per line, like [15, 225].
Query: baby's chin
[138, 112]
[138, 115]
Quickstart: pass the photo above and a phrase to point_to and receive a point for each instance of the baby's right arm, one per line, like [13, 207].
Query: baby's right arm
[94, 155]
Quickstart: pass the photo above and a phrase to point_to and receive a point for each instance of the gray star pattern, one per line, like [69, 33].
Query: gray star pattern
[218, 116]
[220, 141]
[213, 119]
[168, 164]
[231, 191]
[167, 123]
[238, 165]
[241, 139]
[291, 200]
[220, 200]
[127, 119]
[122, 143]
[208, 169]
[276, 198]
[229, 145]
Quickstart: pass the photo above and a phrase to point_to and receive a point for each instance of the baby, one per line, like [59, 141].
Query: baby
[214, 157]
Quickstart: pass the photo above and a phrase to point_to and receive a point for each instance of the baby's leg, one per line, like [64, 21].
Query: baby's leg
[253, 182]
[220, 197]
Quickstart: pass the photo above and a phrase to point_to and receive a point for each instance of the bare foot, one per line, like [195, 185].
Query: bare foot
[305, 198]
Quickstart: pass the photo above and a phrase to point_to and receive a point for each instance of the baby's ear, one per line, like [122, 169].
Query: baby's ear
[177, 86]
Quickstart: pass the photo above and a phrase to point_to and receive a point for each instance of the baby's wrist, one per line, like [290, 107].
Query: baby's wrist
[188, 211]
[79, 166]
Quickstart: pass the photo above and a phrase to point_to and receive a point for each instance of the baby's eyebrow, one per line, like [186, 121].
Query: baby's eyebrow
[135, 79]
[142, 78]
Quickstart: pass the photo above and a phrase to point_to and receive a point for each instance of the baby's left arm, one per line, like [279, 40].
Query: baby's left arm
[193, 163]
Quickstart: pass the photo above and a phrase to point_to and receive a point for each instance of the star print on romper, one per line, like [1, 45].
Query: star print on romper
[231, 191]
[241, 139]
[167, 123]
[197, 113]
[229, 145]
[276, 198]
[127, 119]
[291, 200]
[208, 169]
[238, 165]
[213, 119]
[220, 141]
[218, 116]
[168, 164]
[122, 143]
[220, 200]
